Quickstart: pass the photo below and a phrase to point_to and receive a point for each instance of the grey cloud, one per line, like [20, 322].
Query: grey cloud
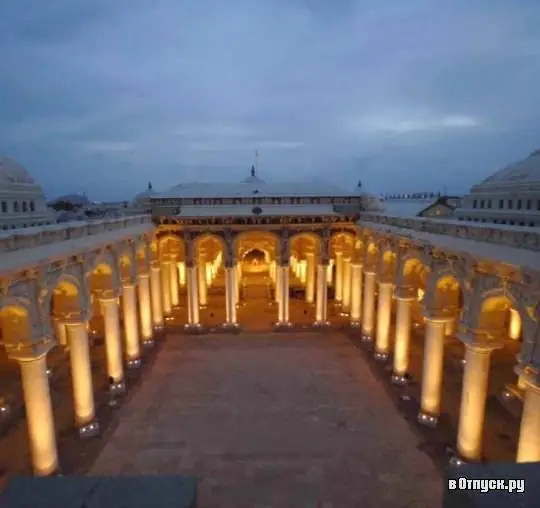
[106, 95]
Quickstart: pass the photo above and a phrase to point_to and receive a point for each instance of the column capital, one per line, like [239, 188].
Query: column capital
[370, 270]
[143, 275]
[108, 299]
[385, 283]
[479, 341]
[530, 375]
[129, 282]
[30, 351]
[154, 265]
[406, 293]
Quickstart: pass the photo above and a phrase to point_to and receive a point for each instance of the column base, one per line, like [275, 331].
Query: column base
[193, 328]
[230, 327]
[134, 364]
[282, 326]
[399, 379]
[355, 324]
[427, 419]
[321, 324]
[117, 387]
[89, 430]
[366, 337]
[380, 356]
[159, 328]
[148, 343]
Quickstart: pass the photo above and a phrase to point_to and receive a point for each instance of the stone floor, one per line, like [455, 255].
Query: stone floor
[271, 420]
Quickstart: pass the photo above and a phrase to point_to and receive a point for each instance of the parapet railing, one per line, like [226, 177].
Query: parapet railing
[512, 236]
[18, 239]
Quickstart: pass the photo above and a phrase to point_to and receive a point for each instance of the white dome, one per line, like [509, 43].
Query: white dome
[11, 172]
[146, 195]
[525, 170]
[253, 178]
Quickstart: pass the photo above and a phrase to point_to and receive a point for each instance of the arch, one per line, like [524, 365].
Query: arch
[267, 241]
[251, 250]
[65, 294]
[15, 321]
[199, 240]
[342, 241]
[494, 312]
[169, 243]
[302, 247]
[104, 273]
[413, 272]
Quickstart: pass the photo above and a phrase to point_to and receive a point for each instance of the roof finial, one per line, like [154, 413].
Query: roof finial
[149, 185]
[253, 170]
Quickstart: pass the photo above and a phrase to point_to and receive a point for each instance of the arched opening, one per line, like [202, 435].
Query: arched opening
[305, 256]
[171, 252]
[210, 261]
[101, 283]
[414, 276]
[256, 253]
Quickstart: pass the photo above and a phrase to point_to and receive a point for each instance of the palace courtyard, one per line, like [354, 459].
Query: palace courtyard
[271, 420]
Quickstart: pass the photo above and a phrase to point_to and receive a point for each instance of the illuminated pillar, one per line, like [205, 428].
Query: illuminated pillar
[339, 278]
[193, 297]
[278, 286]
[514, 331]
[310, 277]
[61, 335]
[432, 373]
[346, 287]
[182, 273]
[113, 346]
[529, 435]
[356, 294]
[209, 273]
[145, 309]
[329, 273]
[201, 270]
[368, 318]
[230, 296]
[384, 312]
[156, 296]
[39, 414]
[322, 299]
[81, 375]
[284, 290]
[473, 402]
[237, 279]
[131, 325]
[449, 327]
[166, 287]
[403, 338]
[175, 297]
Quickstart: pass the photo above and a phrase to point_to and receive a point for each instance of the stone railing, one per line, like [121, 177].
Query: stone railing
[511, 236]
[18, 239]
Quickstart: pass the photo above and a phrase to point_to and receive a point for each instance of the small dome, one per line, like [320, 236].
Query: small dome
[253, 178]
[146, 195]
[11, 172]
[525, 170]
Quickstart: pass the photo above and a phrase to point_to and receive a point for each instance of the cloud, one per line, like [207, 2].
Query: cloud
[106, 95]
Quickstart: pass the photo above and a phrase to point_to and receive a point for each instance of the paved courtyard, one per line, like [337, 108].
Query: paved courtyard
[271, 420]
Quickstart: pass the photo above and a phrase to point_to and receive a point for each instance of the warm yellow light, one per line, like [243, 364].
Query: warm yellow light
[421, 294]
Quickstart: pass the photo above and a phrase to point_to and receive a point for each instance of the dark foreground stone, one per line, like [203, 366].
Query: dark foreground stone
[100, 492]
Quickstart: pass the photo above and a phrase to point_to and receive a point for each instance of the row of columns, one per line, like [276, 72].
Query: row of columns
[438, 326]
[139, 322]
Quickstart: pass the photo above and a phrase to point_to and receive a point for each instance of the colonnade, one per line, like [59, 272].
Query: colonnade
[142, 310]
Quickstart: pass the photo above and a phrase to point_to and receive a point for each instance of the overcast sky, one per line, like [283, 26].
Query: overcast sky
[103, 95]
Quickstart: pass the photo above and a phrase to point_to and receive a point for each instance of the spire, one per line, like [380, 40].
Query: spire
[149, 185]
[253, 170]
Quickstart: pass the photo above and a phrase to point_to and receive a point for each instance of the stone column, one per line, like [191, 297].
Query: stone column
[529, 435]
[81, 377]
[155, 286]
[514, 331]
[284, 300]
[237, 279]
[131, 325]
[181, 273]
[384, 313]
[193, 297]
[432, 373]
[310, 280]
[113, 346]
[473, 401]
[339, 278]
[329, 273]
[201, 270]
[145, 309]
[39, 414]
[166, 287]
[278, 286]
[61, 334]
[322, 296]
[175, 297]
[368, 318]
[230, 297]
[404, 298]
[346, 288]
[356, 294]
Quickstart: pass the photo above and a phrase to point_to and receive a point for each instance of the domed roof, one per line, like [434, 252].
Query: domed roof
[11, 172]
[144, 196]
[253, 178]
[525, 170]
